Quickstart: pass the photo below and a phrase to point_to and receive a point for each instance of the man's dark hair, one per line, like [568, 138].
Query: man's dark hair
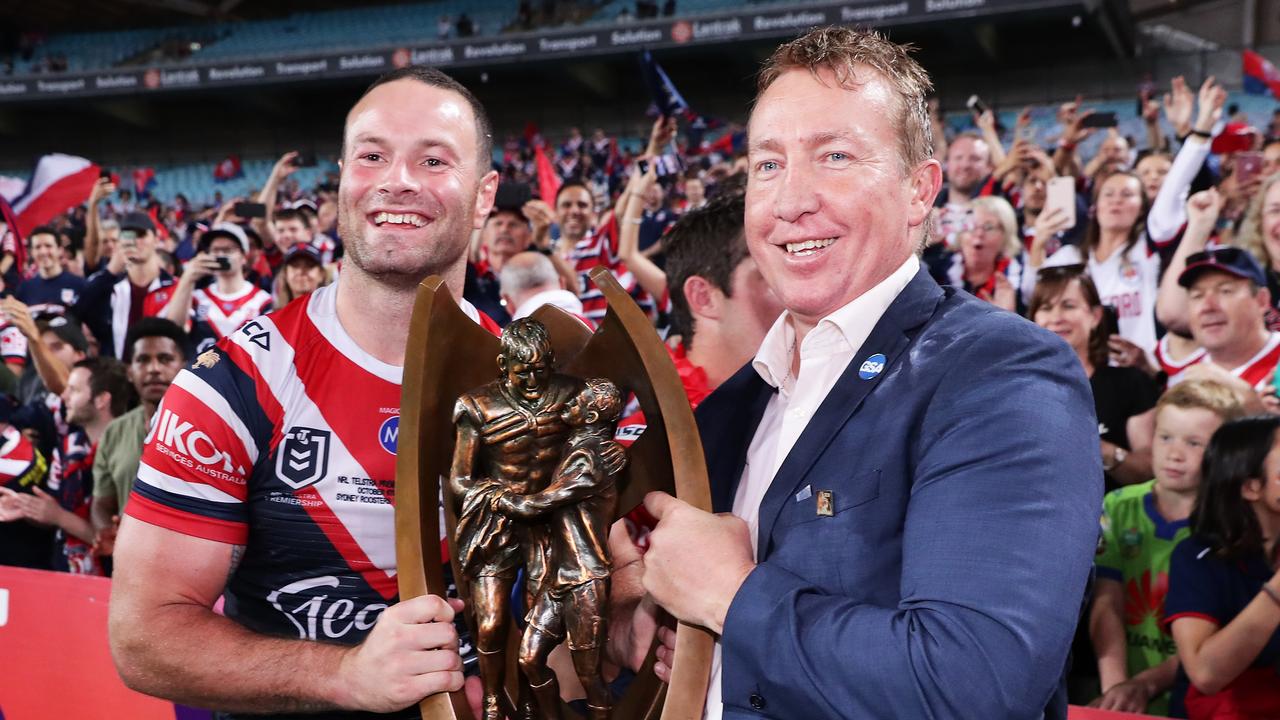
[156, 327]
[435, 78]
[43, 230]
[107, 374]
[707, 242]
[289, 214]
[571, 184]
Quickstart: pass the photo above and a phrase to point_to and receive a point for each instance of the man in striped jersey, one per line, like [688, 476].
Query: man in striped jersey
[268, 474]
[586, 246]
[1227, 301]
[211, 311]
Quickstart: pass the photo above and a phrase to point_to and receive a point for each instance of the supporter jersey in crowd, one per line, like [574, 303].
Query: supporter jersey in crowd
[50, 296]
[22, 468]
[215, 316]
[13, 344]
[1134, 551]
[1168, 365]
[71, 483]
[107, 306]
[1127, 282]
[600, 248]
[1257, 371]
[327, 246]
[282, 438]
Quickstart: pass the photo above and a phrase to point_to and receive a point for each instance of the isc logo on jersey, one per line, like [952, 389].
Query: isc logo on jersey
[194, 449]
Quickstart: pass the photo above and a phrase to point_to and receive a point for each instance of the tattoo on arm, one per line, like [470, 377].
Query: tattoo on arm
[237, 554]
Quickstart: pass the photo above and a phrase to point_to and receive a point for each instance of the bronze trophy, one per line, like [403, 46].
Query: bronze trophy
[521, 453]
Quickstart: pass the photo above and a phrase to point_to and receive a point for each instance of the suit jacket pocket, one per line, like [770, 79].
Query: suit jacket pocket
[841, 496]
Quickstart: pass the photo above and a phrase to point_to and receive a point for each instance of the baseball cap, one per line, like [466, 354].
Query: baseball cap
[137, 221]
[1231, 260]
[67, 328]
[1235, 137]
[305, 251]
[227, 230]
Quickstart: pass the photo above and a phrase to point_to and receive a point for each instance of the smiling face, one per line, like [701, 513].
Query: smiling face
[829, 210]
[1270, 221]
[1070, 317]
[46, 254]
[1153, 169]
[526, 377]
[575, 212]
[413, 185]
[1227, 312]
[968, 163]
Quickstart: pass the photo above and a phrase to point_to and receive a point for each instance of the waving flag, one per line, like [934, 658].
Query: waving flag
[1260, 76]
[666, 97]
[59, 183]
[144, 181]
[548, 180]
[228, 169]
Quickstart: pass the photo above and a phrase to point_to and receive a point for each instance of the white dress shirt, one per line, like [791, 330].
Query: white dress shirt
[562, 299]
[824, 354]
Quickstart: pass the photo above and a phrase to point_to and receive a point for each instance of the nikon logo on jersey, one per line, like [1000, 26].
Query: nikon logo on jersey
[303, 457]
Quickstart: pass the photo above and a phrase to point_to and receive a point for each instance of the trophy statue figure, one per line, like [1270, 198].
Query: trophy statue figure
[531, 481]
[510, 436]
[577, 508]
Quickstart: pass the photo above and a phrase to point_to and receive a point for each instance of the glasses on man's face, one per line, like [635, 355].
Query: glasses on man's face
[129, 235]
[988, 228]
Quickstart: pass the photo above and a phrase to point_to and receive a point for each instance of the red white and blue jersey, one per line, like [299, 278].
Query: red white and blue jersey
[71, 482]
[1258, 370]
[282, 439]
[215, 316]
[599, 247]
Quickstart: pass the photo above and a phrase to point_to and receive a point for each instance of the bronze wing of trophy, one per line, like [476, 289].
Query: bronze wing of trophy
[449, 356]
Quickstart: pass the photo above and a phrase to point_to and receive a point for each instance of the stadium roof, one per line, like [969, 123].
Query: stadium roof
[90, 15]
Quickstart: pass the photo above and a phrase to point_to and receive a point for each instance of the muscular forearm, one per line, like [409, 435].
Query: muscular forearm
[190, 655]
[563, 491]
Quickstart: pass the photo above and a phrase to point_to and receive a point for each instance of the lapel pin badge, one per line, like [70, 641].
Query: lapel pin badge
[826, 503]
[872, 366]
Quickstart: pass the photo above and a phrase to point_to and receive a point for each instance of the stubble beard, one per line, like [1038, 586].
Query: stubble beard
[438, 257]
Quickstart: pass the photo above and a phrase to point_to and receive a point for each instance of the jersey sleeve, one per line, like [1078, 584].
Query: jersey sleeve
[199, 456]
[1194, 586]
[13, 345]
[1108, 559]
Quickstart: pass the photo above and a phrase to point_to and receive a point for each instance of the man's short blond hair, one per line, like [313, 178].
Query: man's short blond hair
[1215, 397]
[842, 50]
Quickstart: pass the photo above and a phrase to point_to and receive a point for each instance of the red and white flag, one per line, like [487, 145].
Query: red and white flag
[59, 183]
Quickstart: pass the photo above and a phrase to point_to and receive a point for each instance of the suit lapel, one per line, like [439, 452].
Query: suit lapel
[729, 433]
[890, 337]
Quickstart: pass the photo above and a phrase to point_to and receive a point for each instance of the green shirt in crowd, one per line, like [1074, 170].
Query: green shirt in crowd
[115, 466]
[1135, 550]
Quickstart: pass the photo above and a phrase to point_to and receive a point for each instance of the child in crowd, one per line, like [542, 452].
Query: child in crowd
[1141, 525]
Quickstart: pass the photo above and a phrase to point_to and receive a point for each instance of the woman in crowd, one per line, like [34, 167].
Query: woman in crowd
[1260, 233]
[1066, 302]
[301, 273]
[1223, 606]
[990, 262]
[1123, 265]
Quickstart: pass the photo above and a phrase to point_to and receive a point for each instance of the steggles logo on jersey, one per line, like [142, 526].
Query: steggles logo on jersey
[303, 457]
[316, 617]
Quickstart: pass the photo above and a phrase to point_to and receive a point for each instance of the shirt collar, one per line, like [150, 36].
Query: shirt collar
[851, 324]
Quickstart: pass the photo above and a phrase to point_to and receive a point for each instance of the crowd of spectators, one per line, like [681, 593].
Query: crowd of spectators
[1156, 259]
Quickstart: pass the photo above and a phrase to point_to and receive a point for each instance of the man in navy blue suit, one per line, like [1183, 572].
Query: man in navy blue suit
[913, 474]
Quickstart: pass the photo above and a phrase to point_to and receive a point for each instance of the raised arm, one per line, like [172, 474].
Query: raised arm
[1168, 209]
[283, 168]
[53, 373]
[1171, 298]
[92, 225]
[650, 276]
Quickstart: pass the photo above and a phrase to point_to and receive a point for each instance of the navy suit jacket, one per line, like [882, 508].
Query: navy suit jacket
[966, 487]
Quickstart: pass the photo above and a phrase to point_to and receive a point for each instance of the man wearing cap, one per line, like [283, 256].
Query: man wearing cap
[52, 290]
[505, 233]
[132, 286]
[1227, 303]
[212, 310]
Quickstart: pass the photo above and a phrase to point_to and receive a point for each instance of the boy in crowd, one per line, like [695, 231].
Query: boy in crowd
[1141, 524]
